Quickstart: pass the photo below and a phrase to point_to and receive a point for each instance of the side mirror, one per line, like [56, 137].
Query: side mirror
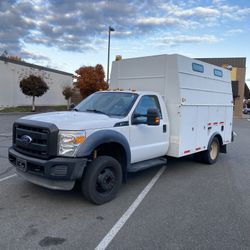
[139, 119]
[153, 117]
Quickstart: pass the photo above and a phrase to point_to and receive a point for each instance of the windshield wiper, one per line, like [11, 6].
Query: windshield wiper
[96, 111]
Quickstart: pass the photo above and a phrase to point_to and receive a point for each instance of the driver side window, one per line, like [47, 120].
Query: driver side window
[146, 102]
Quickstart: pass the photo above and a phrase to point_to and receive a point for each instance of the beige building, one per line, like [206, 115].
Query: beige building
[238, 74]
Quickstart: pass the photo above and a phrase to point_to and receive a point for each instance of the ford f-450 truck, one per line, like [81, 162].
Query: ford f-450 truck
[170, 105]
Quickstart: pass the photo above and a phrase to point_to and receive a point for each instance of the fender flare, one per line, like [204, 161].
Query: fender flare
[102, 137]
[212, 137]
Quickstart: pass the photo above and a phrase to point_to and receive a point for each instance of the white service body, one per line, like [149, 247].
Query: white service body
[198, 104]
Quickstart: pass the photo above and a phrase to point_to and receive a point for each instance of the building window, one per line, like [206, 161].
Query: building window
[198, 67]
[235, 88]
[218, 72]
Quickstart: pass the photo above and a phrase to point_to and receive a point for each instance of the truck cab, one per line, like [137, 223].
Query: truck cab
[118, 128]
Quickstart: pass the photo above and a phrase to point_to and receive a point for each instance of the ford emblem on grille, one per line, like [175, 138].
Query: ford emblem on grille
[26, 139]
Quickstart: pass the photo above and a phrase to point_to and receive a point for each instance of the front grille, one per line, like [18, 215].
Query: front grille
[43, 139]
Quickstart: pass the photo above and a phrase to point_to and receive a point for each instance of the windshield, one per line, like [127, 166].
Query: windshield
[109, 103]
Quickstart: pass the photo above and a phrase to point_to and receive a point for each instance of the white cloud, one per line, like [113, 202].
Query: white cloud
[244, 11]
[165, 21]
[234, 31]
[212, 13]
[202, 11]
[218, 1]
[157, 21]
[123, 33]
[233, 12]
[197, 11]
[180, 39]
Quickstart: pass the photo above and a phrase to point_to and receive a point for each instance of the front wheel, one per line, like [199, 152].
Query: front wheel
[102, 180]
[211, 154]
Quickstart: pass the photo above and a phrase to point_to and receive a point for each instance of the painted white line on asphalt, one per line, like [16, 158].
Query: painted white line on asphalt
[6, 135]
[120, 223]
[8, 177]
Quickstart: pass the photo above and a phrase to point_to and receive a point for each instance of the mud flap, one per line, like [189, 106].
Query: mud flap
[223, 149]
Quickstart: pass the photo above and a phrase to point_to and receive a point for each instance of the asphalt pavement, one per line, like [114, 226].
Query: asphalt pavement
[190, 206]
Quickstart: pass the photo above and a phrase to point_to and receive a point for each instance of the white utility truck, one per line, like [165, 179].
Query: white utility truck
[167, 105]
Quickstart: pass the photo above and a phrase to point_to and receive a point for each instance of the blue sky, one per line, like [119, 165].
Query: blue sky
[66, 34]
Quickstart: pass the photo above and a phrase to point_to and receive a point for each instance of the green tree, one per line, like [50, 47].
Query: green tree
[33, 86]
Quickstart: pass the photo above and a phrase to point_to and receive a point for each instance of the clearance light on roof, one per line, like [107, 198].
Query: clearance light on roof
[118, 89]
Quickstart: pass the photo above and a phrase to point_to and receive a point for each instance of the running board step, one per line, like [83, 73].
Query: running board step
[147, 164]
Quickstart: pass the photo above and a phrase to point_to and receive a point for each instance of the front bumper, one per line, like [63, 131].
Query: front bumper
[57, 173]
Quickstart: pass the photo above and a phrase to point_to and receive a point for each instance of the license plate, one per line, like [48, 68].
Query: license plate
[21, 164]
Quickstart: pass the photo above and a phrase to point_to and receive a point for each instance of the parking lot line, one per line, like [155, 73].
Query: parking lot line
[6, 135]
[8, 177]
[120, 223]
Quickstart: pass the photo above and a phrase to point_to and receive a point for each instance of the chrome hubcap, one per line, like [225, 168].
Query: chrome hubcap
[214, 150]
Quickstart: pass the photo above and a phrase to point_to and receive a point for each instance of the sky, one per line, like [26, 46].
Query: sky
[68, 34]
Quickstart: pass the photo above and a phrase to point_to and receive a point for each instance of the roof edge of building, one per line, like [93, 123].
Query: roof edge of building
[239, 62]
[8, 60]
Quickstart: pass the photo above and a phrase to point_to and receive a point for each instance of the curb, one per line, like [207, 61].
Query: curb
[18, 113]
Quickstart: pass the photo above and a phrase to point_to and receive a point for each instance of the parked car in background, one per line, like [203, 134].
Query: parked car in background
[246, 111]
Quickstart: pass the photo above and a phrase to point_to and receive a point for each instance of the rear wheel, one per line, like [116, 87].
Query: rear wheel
[211, 154]
[102, 180]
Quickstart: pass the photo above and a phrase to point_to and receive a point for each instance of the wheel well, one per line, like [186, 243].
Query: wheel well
[219, 139]
[114, 150]
[223, 148]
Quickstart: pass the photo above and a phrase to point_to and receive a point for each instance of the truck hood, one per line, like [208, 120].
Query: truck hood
[75, 120]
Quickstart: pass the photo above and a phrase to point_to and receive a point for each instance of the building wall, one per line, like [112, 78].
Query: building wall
[238, 101]
[11, 94]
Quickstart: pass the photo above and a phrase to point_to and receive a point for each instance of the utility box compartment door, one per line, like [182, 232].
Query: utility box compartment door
[202, 127]
[188, 130]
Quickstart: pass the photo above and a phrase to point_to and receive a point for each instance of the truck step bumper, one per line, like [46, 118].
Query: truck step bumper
[47, 183]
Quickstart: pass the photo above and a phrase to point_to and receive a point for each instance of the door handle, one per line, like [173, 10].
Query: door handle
[164, 127]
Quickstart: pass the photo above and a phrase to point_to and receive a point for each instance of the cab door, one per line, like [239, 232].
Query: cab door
[147, 141]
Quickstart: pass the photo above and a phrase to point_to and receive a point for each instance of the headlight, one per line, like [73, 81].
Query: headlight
[69, 141]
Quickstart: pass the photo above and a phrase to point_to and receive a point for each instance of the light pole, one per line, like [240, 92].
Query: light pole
[110, 30]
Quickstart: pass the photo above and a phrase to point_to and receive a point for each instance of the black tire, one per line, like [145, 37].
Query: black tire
[102, 180]
[211, 154]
